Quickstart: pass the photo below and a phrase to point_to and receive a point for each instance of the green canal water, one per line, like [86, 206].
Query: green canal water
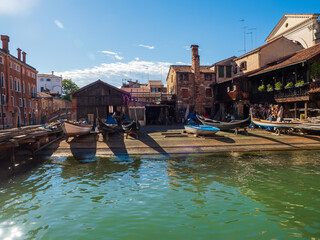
[237, 196]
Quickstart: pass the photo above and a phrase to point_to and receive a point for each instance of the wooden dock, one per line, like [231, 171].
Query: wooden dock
[27, 140]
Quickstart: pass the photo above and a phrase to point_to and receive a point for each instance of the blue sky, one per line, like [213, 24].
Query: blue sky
[138, 39]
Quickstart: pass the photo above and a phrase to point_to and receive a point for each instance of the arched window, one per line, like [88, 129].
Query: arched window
[243, 65]
[299, 43]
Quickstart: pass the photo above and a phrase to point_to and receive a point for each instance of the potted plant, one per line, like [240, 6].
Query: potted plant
[278, 86]
[269, 88]
[289, 85]
[261, 88]
[315, 71]
[299, 84]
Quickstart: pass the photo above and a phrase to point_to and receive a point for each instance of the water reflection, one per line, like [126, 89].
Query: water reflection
[286, 184]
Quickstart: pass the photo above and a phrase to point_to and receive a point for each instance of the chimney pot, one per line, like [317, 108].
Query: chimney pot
[24, 57]
[19, 53]
[5, 43]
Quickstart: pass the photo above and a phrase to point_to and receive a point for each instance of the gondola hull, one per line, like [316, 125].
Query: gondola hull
[226, 125]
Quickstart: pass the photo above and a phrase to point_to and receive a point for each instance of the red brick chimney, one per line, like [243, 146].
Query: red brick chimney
[24, 57]
[19, 53]
[5, 43]
[195, 58]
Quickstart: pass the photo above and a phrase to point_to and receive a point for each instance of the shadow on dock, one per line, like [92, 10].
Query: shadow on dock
[117, 146]
[271, 139]
[151, 143]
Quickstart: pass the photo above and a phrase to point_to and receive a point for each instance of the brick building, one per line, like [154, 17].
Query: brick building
[18, 86]
[191, 85]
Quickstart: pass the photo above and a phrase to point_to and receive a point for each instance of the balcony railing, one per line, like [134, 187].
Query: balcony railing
[293, 92]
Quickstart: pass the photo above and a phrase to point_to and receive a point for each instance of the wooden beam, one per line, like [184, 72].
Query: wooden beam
[292, 99]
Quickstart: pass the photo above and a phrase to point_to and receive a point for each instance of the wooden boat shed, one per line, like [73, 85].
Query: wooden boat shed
[98, 97]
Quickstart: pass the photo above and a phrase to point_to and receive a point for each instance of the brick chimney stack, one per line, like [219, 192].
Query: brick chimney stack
[195, 58]
[24, 57]
[5, 43]
[19, 53]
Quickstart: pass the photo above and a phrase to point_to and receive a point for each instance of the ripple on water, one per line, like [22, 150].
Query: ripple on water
[241, 196]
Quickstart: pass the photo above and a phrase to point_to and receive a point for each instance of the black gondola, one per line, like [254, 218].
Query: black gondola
[235, 124]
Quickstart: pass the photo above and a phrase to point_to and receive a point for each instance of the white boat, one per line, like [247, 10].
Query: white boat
[72, 129]
[274, 124]
[201, 129]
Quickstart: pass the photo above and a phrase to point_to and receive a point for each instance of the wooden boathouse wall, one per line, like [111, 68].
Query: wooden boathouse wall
[99, 96]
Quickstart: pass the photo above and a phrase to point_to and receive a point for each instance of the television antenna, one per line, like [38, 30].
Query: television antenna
[254, 31]
[244, 35]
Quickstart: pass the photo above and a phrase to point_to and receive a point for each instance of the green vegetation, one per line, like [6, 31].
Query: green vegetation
[261, 88]
[68, 86]
[269, 88]
[278, 85]
[315, 70]
[289, 85]
[299, 84]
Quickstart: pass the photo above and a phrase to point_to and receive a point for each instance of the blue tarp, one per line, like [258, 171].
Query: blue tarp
[110, 120]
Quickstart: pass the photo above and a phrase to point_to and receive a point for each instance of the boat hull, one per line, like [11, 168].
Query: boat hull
[71, 129]
[201, 129]
[226, 125]
[273, 124]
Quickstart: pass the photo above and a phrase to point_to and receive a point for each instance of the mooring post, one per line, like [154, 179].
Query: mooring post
[32, 151]
[13, 159]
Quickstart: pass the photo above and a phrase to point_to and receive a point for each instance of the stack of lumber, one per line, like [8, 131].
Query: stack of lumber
[16, 135]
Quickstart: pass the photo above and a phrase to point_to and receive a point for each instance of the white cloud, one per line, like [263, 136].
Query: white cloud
[137, 59]
[112, 54]
[16, 7]
[146, 46]
[108, 52]
[59, 24]
[118, 57]
[186, 48]
[181, 63]
[113, 73]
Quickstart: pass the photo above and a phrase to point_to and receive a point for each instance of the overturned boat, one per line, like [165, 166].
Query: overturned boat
[201, 130]
[235, 124]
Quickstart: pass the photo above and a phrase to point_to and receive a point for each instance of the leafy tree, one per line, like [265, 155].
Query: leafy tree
[315, 70]
[68, 86]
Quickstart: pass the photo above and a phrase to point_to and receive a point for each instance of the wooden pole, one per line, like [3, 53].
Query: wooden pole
[13, 158]
[295, 110]
[306, 110]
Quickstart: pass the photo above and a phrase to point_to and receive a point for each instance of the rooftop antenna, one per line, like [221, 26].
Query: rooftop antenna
[251, 39]
[254, 30]
[244, 35]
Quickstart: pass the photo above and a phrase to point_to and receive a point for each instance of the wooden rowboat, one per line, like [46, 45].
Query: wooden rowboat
[73, 129]
[201, 129]
[274, 124]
